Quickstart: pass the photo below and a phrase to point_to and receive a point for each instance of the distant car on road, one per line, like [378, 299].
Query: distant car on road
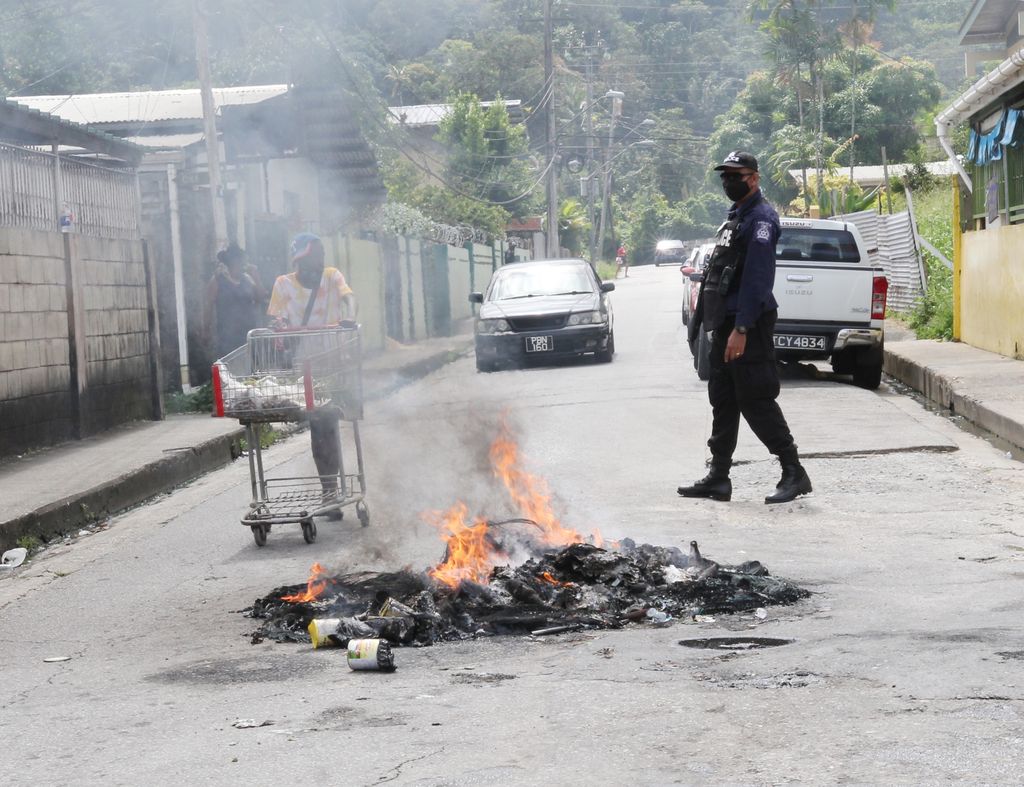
[544, 310]
[669, 252]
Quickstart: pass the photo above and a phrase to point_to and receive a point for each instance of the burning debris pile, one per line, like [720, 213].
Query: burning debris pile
[577, 586]
[522, 575]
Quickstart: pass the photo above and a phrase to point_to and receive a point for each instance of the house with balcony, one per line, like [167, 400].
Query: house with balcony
[988, 275]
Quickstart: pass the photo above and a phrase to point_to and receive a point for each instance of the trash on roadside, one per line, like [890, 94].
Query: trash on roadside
[658, 617]
[248, 724]
[556, 629]
[336, 632]
[704, 618]
[761, 613]
[321, 630]
[13, 558]
[56, 659]
[370, 654]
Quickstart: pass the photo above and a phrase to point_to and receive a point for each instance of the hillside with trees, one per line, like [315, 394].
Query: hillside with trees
[815, 84]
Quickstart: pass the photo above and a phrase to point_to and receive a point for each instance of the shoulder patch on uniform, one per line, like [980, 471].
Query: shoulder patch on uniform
[763, 231]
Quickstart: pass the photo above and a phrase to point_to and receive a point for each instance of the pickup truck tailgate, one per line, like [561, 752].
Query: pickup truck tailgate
[823, 293]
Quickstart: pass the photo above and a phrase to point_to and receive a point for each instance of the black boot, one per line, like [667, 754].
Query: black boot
[794, 481]
[715, 485]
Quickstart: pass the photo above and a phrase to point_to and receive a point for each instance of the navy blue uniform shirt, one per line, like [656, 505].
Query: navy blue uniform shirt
[759, 227]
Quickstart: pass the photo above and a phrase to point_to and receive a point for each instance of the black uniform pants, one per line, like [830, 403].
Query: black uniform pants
[749, 387]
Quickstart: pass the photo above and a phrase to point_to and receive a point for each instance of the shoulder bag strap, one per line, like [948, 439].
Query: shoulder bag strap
[312, 300]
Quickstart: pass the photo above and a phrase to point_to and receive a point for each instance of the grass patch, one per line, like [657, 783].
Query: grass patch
[606, 270]
[932, 318]
[200, 400]
[268, 436]
[30, 543]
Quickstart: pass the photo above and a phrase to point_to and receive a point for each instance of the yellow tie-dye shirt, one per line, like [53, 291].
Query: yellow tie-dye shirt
[289, 299]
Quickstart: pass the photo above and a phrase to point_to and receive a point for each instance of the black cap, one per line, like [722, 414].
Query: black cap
[738, 160]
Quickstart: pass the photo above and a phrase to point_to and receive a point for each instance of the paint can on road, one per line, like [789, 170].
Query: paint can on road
[370, 654]
[321, 632]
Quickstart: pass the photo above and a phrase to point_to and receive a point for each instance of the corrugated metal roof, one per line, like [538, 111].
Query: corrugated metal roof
[166, 141]
[874, 174]
[145, 106]
[986, 22]
[419, 115]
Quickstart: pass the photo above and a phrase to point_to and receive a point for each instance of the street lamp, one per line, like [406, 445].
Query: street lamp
[607, 174]
[616, 96]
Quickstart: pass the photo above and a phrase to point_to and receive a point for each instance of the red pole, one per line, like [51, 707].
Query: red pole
[307, 383]
[218, 395]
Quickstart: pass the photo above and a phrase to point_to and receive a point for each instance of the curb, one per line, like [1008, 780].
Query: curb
[940, 389]
[387, 381]
[124, 492]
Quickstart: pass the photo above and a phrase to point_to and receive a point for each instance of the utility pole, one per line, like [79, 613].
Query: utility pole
[589, 127]
[549, 80]
[606, 178]
[220, 224]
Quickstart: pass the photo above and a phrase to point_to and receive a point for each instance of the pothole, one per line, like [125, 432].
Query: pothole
[735, 643]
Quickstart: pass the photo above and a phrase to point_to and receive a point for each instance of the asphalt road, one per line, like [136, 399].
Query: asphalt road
[904, 666]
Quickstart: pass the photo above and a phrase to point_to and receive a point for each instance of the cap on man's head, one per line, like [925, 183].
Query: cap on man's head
[738, 160]
[303, 244]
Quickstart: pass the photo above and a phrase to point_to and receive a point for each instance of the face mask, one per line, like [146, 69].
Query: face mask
[309, 277]
[736, 189]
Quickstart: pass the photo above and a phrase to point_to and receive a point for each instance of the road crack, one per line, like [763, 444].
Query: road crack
[398, 768]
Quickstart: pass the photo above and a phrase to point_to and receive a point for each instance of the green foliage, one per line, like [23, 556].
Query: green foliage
[407, 186]
[694, 68]
[486, 153]
[573, 226]
[31, 543]
[696, 218]
[200, 400]
[644, 220]
[268, 436]
[606, 270]
[933, 317]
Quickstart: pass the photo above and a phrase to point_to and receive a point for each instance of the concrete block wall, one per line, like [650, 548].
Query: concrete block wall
[35, 391]
[114, 299]
[75, 354]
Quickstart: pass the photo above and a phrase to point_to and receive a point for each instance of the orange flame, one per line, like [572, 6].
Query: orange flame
[547, 577]
[315, 587]
[470, 555]
[529, 493]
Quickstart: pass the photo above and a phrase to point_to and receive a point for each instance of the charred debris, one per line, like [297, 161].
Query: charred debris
[579, 586]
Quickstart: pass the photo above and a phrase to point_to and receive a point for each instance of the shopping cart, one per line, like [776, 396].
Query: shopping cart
[294, 376]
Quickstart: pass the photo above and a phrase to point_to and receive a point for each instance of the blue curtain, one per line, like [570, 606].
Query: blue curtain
[1013, 128]
[988, 147]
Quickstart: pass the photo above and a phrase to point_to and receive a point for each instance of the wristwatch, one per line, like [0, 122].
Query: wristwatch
[741, 330]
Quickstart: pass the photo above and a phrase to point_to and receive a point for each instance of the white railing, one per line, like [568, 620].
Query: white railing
[85, 198]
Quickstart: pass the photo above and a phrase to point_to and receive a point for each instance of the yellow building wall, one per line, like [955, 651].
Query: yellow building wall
[992, 290]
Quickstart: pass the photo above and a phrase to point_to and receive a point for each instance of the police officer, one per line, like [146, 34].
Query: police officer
[736, 304]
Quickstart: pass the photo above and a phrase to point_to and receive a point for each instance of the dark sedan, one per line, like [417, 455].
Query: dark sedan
[544, 310]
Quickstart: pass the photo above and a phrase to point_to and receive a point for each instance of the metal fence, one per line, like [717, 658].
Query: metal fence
[44, 191]
[892, 244]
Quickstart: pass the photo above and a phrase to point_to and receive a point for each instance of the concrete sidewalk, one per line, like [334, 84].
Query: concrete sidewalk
[62, 489]
[984, 388]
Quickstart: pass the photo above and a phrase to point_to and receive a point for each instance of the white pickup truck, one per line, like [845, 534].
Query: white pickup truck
[831, 301]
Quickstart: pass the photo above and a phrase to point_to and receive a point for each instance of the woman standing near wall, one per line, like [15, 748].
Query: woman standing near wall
[234, 300]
